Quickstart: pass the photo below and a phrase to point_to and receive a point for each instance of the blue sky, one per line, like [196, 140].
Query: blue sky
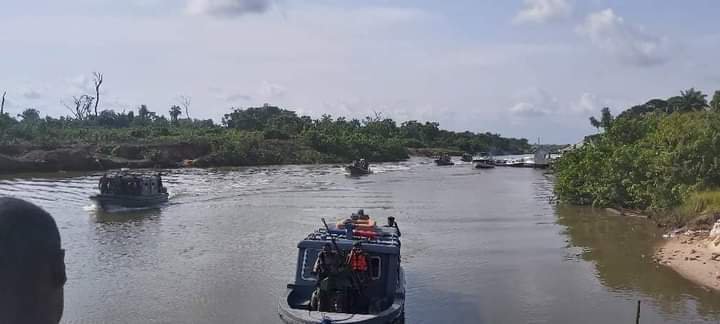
[526, 68]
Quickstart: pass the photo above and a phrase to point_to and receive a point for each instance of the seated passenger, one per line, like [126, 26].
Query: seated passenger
[32, 265]
[361, 215]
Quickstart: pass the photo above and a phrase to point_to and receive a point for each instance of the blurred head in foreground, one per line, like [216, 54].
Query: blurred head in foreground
[32, 264]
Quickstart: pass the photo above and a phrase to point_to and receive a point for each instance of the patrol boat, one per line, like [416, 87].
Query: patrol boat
[444, 160]
[374, 296]
[358, 168]
[125, 189]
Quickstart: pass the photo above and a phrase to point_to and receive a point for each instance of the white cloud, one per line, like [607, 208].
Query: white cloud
[528, 109]
[32, 94]
[534, 102]
[269, 90]
[80, 84]
[235, 97]
[588, 103]
[542, 11]
[227, 8]
[630, 44]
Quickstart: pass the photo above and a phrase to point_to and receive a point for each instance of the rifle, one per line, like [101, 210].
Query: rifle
[337, 249]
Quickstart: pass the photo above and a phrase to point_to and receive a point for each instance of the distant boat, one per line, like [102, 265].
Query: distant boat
[444, 160]
[517, 163]
[483, 161]
[466, 157]
[357, 170]
[130, 190]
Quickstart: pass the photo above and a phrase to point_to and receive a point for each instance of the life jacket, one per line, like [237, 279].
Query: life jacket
[357, 260]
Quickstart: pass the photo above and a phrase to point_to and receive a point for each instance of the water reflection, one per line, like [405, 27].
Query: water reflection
[620, 248]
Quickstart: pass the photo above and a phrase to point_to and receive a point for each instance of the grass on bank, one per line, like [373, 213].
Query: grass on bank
[700, 210]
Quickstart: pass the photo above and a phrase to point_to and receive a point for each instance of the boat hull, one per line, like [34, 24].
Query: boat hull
[483, 165]
[357, 171]
[444, 163]
[395, 314]
[132, 201]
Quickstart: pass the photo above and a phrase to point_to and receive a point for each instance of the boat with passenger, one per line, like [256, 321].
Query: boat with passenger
[347, 272]
[125, 189]
[483, 161]
[444, 160]
[358, 168]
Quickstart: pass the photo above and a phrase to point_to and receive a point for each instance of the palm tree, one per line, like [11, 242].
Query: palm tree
[175, 111]
[606, 119]
[143, 112]
[692, 100]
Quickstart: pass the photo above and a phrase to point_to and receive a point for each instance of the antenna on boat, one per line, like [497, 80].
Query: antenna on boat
[331, 237]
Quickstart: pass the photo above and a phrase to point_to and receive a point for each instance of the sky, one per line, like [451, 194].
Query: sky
[527, 68]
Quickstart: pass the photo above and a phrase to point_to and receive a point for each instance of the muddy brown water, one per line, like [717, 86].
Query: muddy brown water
[479, 246]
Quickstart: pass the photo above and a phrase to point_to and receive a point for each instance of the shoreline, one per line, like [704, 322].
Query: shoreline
[15, 159]
[93, 157]
[694, 255]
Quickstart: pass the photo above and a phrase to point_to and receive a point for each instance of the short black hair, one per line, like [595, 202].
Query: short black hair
[28, 236]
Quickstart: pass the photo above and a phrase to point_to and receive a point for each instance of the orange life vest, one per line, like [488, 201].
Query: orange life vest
[357, 261]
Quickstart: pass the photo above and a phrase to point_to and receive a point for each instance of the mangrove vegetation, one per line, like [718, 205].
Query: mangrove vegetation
[91, 139]
[661, 157]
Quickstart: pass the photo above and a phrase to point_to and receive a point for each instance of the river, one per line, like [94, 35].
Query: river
[479, 246]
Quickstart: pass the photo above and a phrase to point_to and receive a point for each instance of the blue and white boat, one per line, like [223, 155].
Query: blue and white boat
[382, 290]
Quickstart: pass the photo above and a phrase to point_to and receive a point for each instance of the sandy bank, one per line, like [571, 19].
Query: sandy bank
[694, 255]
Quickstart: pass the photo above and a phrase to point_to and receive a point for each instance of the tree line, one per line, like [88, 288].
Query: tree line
[376, 138]
[654, 156]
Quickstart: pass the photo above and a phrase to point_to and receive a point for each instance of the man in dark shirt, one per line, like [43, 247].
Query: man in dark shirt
[32, 265]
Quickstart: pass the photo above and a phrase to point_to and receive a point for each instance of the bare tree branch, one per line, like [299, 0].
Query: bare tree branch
[81, 106]
[2, 105]
[98, 80]
[185, 103]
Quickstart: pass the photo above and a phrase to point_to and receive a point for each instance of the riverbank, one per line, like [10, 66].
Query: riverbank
[95, 157]
[694, 255]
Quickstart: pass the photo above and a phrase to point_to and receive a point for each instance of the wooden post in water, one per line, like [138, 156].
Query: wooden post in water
[637, 314]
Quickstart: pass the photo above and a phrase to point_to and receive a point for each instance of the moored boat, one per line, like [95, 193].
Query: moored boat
[124, 189]
[346, 294]
[517, 163]
[466, 157]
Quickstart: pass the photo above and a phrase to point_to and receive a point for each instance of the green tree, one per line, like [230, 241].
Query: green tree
[715, 102]
[175, 111]
[143, 113]
[29, 115]
[606, 119]
[692, 100]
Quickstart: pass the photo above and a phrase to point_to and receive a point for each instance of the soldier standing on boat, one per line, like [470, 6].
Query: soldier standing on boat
[357, 261]
[326, 263]
[330, 282]
[103, 184]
